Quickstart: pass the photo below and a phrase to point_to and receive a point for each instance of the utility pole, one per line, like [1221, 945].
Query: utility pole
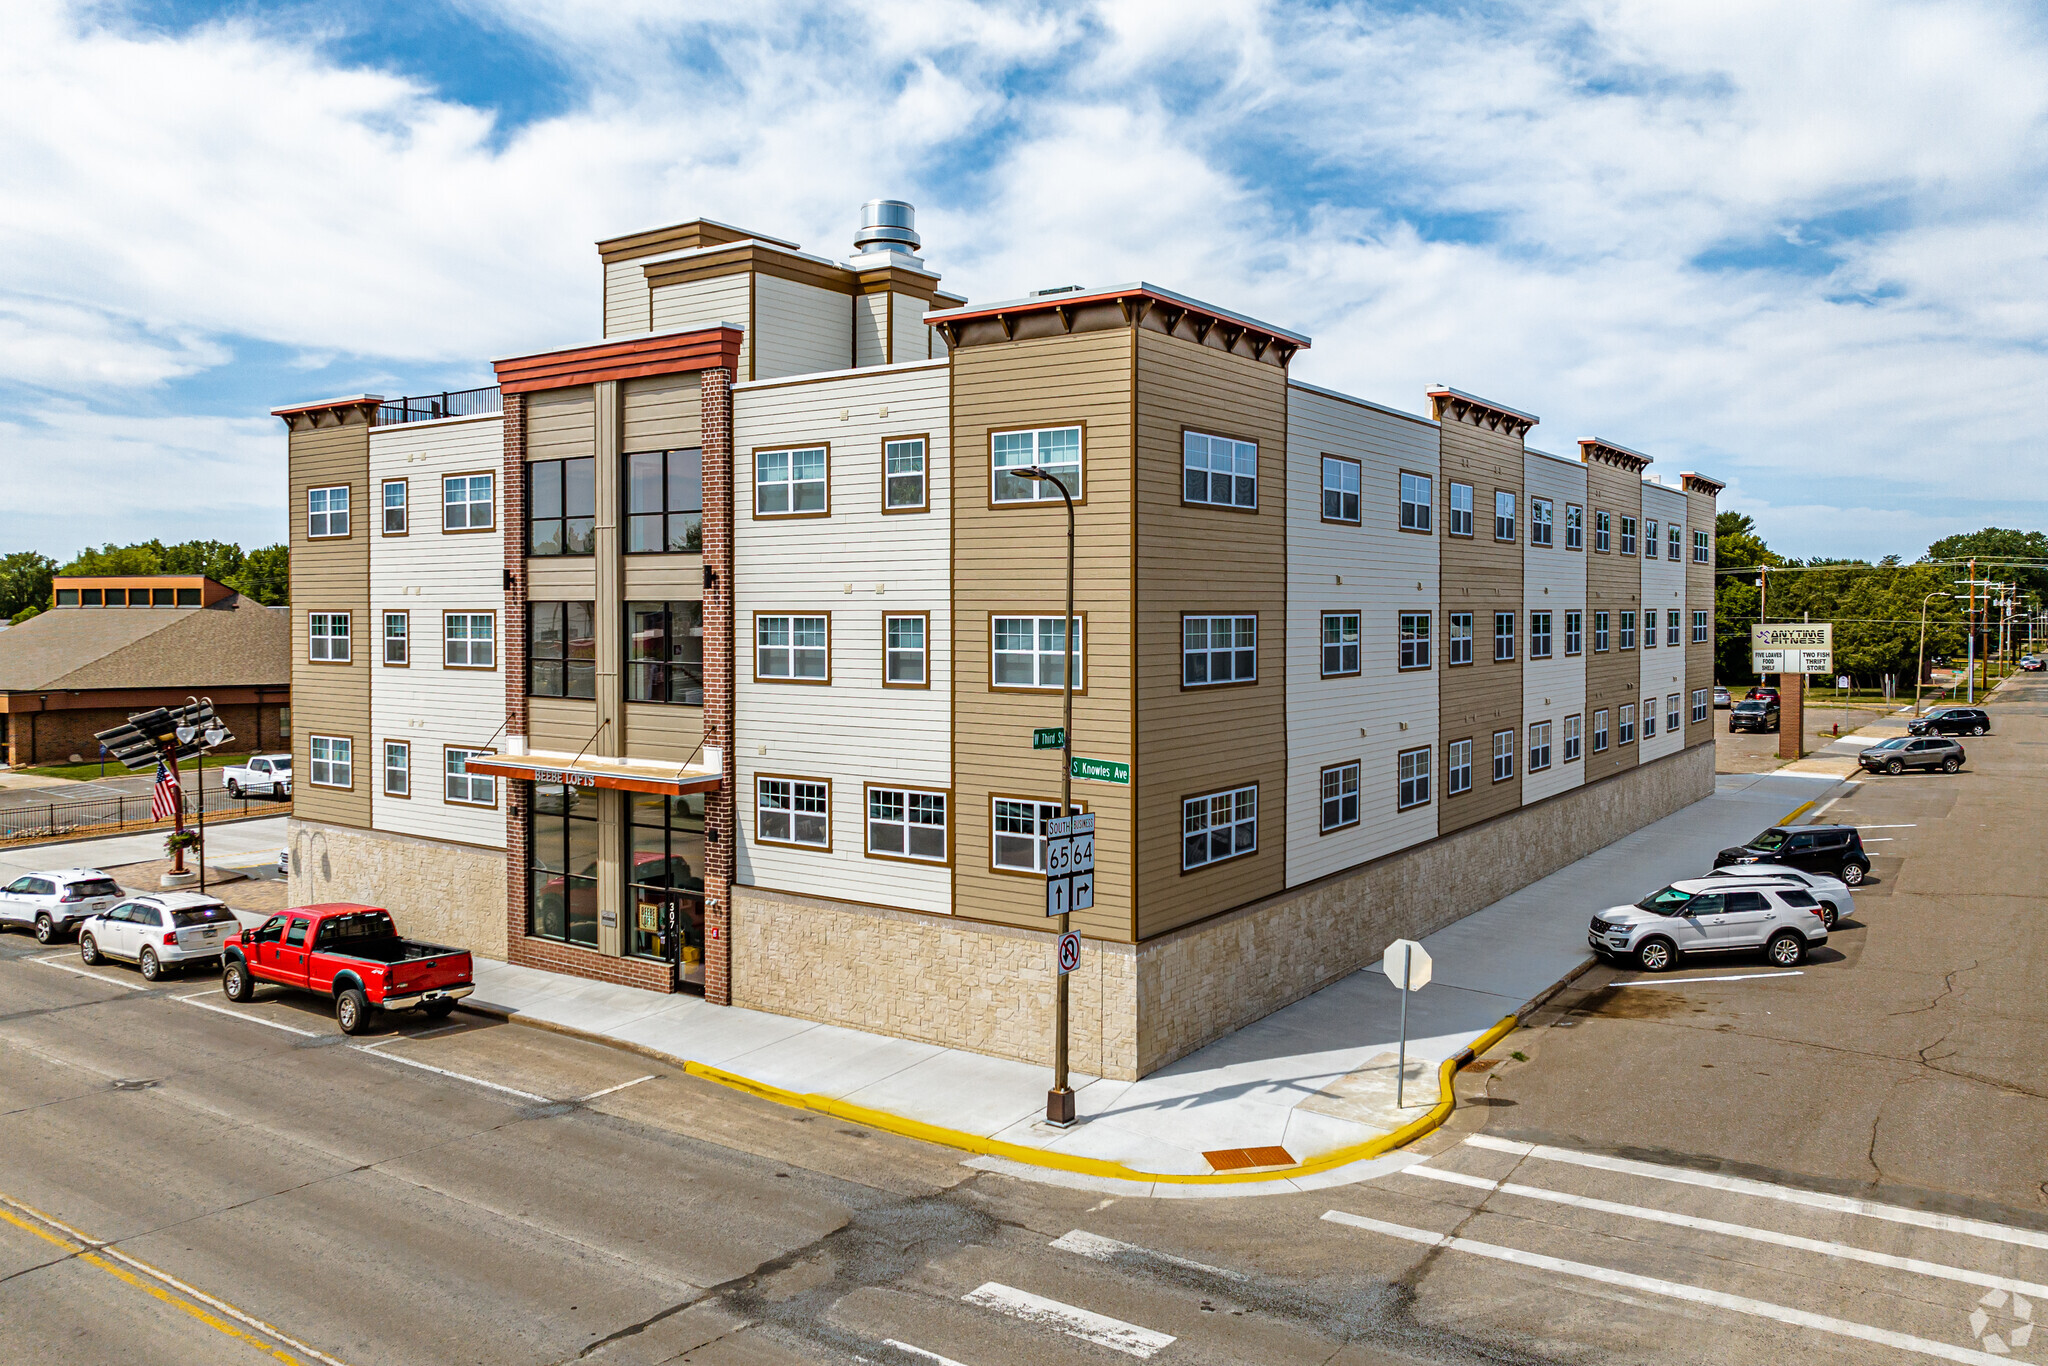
[1920, 670]
[1972, 676]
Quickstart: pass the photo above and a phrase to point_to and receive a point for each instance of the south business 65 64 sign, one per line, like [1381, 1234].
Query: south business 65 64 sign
[1806, 647]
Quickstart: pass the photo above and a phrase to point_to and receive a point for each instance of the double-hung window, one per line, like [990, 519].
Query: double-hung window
[1603, 530]
[397, 651]
[1539, 745]
[1219, 470]
[793, 811]
[1650, 717]
[1699, 628]
[1625, 725]
[1461, 510]
[1218, 826]
[1056, 450]
[793, 648]
[1020, 831]
[1571, 737]
[1599, 632]
[665, 652]
[1540, 517]
[1340, 644]
[1340, 490]
[397, 768]
[665, 502]
[327, 512]
[1503, 515]
[1674, 543]
[466, 502]
[394, 507]
[331, 764]
[1412, 773]
[1340, 796]
[1650, 629]
[903, 475]
[1628, 534]
[1650, 539]
[1574, 633]
[1461, 638]
[1600, 731]
[905, 651]
[327, 639]
[1031, 652]
[792, 482]
[1672, 630]
[1539, 635]
[469, 640]
[561, 514]
[1628, 631]
[1503, 636]
[1574, 527]
[1503, 755]
[906, 823]
[1414, 640]
[1699, 705]
[1415, 501]
[561, 649]
[1218, 650]
[462, 787]
[1458, 766]
[1672, 719]
[1702, 551]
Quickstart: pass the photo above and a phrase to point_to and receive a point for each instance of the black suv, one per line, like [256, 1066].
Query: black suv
[1836, 850]
[1953, 721]
[1753, 713]
[1902, 752]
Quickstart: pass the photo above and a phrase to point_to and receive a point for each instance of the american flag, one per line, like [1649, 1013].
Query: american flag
[165, 800]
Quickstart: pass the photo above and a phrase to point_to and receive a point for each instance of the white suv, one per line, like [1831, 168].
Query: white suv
[1709, 915]
[159, 931]
[1836, 900]
[52, 903]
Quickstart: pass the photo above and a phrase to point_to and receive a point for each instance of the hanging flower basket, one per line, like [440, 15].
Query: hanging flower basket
[178, 840]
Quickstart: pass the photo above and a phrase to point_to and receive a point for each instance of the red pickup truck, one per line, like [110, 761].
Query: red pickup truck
[350, 953]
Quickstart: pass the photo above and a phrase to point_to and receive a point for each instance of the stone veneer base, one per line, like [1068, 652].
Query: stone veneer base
[1137, 1007]
[441, 892]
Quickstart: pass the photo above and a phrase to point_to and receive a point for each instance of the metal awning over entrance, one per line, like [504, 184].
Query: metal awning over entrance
[625, 775]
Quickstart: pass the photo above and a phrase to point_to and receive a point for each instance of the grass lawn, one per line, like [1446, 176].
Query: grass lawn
[114, 770]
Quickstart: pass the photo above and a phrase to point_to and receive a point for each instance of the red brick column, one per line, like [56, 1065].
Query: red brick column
[720, 827]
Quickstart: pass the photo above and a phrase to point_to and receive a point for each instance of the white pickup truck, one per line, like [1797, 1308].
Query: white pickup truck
[260, 775]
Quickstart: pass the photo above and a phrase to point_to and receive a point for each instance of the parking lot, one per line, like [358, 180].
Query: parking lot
[1750, 751]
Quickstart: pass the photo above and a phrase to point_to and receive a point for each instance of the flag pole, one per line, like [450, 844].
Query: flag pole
[178, 815]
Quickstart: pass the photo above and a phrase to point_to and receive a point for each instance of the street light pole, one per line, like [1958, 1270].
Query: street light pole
[1059, 1101]
[1921, 669]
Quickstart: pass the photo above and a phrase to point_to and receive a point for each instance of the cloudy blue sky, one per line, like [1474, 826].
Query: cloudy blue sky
[1797, 246]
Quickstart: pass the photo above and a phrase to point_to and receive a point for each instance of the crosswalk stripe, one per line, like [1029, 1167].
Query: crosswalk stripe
[1791, 1195]
[1094, 1245]
[1678, 1290]
[919, 1352]
[1127, 1338]
[1843, 1251]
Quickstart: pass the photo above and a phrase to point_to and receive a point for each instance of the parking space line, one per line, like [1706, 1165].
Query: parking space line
[610, 1090]
[1085, 1324]
[1791, 1195]
[1678, 1290]
[243, 1015]
[1093, 1245]
[1739, 977]
[454, 1076]
[1841, 1251]
[88, 972]
[920, 1353]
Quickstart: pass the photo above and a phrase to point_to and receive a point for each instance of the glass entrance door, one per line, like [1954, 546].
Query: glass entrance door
[665, 862]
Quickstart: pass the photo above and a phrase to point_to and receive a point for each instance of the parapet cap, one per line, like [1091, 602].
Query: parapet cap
[1608, 453]
[1458, 406]
[1699, 483]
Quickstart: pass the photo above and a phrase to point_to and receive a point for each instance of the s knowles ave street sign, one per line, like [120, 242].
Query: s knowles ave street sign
[1101, 770]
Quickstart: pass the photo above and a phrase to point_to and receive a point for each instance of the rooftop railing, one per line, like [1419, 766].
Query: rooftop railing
[447, 403]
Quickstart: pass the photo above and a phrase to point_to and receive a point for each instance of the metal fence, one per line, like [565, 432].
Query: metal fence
[55, 820]
[447, 403]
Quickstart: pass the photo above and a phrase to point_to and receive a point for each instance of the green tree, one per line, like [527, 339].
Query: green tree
[145, 557]
[217, 560]
[1737, 546]
[24, 582]
[265, 575]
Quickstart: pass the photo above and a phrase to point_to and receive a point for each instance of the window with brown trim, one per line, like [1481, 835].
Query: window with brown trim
[1461, 510]
[1413, 777]
[1414, 643]
[793, 811]
[1503, 755]
[395, 493]
[792, 648]
[1218, 826]
[397, 768]
[1056, 450]
[1574, 527]
[1340, 644]
[1219, 471]
[1339, 784]
[460, 787]
[906, 650]
[907, 823]
[793, 481]
[1340, 490]
[468, 502]
[1218, 650]
[469, 640]
[397, 642]
[1415, 501]
[906, 485]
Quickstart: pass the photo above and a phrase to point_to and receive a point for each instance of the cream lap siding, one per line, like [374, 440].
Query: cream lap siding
[627, 306]
[1663, 669]
[913, 340]
[706, 303]
[855, 731]
[426, 573]
[871, 329]
[1553, 688]
[802, 329]
[1336, 720]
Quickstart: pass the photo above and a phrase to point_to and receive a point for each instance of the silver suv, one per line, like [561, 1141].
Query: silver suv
[1707, 915]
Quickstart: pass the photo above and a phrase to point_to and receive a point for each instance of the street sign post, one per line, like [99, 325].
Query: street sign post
[1069, 863]
[1793, 648]
[1100, 770]
[1049, 737]
[1408, 966]
[1070, 952]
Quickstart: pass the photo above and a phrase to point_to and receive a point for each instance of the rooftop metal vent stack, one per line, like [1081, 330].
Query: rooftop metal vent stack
[887, 225]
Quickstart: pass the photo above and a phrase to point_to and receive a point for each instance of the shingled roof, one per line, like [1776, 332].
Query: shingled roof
[238, 643]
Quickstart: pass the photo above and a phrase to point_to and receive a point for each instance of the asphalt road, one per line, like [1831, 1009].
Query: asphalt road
[1837, 1167]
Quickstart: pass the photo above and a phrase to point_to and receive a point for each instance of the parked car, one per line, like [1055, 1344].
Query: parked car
[159, 932]
[1706, 915]
[1753, 714]
[352, 954]
[1836, 850]
[1953, 721]
[55, 903]
[260, 775]
[1762, 694]
[1902, 752]
[2030, 663]
[1721, 699]
[1836, 900]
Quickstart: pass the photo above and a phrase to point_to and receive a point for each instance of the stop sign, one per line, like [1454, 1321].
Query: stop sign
[1407, 959]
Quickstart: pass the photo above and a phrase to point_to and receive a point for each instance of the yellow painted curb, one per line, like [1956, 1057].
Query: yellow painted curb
[1095, 1166]
[1795, 813]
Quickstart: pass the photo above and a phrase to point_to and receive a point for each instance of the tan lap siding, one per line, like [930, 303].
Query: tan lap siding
[1482, 576]
[1012, 560]
[332, 575]
[661, 412]
[1208, 560]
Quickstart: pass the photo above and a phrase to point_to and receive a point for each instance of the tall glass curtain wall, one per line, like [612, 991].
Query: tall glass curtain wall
[666, 858]
[563, 838]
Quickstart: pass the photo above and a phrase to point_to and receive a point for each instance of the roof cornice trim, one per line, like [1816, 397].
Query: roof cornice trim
[1455, 405]
[1594, 448]
[1700, 483]
[666, 353]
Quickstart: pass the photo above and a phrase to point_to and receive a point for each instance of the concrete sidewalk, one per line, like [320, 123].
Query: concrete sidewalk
[229, 844]
[1313, 1078]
